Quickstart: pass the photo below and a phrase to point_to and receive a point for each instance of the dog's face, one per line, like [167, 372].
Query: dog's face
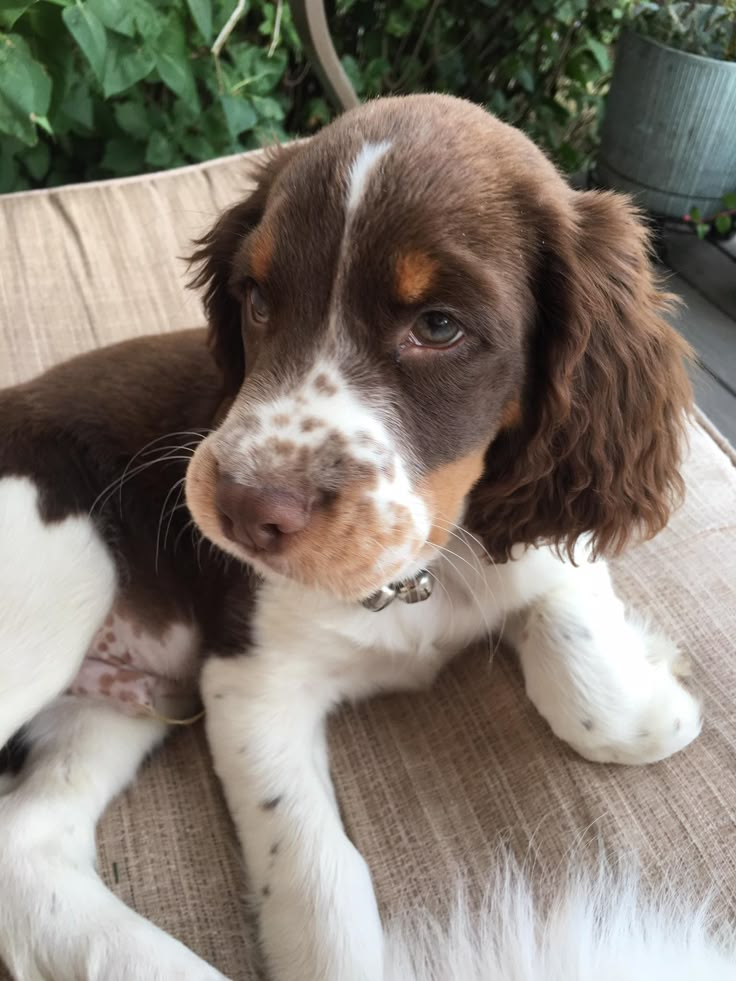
[378, 305]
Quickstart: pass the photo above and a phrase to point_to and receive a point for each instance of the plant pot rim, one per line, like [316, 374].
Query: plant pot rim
[631, 29]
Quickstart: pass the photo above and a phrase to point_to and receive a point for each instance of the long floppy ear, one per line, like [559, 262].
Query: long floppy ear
[214, 256]
[599, 444]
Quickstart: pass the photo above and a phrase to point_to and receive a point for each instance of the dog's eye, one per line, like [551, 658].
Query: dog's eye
[258, 309]
[435, 329]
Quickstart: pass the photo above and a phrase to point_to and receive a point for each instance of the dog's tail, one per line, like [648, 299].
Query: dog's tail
[594, 928]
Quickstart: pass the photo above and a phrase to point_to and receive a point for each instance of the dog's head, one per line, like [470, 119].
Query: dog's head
[418, 320]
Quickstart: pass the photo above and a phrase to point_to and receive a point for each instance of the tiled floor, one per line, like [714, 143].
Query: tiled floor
[704, 275]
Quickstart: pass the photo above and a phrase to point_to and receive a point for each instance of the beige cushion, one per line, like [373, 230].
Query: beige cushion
[431, 782]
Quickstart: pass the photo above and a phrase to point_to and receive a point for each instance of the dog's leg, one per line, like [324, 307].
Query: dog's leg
[266, 726]
[57, 582]
[57, 919]
[605, 682]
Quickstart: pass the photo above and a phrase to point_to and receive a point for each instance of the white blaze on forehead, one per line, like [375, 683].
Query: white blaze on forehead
[361, 168]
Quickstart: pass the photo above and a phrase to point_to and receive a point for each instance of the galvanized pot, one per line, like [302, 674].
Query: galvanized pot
[669, 131]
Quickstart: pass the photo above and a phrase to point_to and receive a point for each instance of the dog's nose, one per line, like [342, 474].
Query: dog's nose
[260, 517]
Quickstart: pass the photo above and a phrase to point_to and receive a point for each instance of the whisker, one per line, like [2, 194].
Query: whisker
[177, 484]
[144, 450]
[457, 531]
[446, 552]
[448, 594]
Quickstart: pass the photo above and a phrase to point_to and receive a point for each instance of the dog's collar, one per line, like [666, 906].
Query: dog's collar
[416, 589]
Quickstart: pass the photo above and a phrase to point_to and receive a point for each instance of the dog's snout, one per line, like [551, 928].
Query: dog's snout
[260, 517]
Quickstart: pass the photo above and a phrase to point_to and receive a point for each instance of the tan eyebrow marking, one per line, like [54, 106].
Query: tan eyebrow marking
[261, 251]
[413, 276]
[510, 415]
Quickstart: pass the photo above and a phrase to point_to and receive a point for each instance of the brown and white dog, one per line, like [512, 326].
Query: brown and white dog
[434, 363]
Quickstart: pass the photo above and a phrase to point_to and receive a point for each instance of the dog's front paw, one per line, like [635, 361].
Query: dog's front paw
[646, 721]
[607, 684]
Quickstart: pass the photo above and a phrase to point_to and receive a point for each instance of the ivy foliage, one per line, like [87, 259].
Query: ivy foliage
[99, 88]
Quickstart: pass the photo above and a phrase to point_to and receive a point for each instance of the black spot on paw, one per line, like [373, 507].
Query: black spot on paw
[588, 724]
[271, 804]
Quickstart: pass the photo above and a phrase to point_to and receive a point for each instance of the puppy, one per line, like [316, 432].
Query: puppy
[436, 391]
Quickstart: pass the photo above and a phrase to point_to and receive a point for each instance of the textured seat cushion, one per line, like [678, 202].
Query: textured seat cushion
[430, 783]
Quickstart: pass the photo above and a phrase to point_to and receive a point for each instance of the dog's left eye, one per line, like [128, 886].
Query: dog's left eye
[258, 309]
[435, 329]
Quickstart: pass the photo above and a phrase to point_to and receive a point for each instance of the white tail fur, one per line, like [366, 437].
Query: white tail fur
[602, 929]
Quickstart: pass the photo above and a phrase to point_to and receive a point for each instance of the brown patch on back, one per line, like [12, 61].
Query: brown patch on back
[511, 414]
[310, 424]
[262, 247]
[414, 275]
[444, 490]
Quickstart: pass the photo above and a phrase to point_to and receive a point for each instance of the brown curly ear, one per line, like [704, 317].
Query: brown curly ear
[599, 445]
[214, 255]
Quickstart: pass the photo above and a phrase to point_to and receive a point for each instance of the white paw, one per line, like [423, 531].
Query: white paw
[669, 722]
[609, 687]
[662, 719]
[57, 919]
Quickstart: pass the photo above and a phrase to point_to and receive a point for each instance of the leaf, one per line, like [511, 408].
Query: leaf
[133, 119]
[123, 157]
[116, 15]
[43, 122]
[723, 224]
[398, 23]
[11, 12]
[150, 22]
[36, 160]
[600, 53]
[174, 67]
[25, 94]
[159, 152]
[729, 201]
[695, 214]
[702, 229]
[352, 70]
[197, 146]
[201, 11]
[526, 80]
[259, 74]
[89, 33]
[77, 105]
[8, 171]
[126, 63]
[239, 114]
[267, 108]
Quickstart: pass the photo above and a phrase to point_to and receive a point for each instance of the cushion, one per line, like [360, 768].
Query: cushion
[430, 784]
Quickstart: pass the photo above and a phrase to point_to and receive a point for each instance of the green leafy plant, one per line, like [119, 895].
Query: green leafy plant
[707, 29]
[721, 224]
[98, 88]
[93, 88]
[543, 65]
